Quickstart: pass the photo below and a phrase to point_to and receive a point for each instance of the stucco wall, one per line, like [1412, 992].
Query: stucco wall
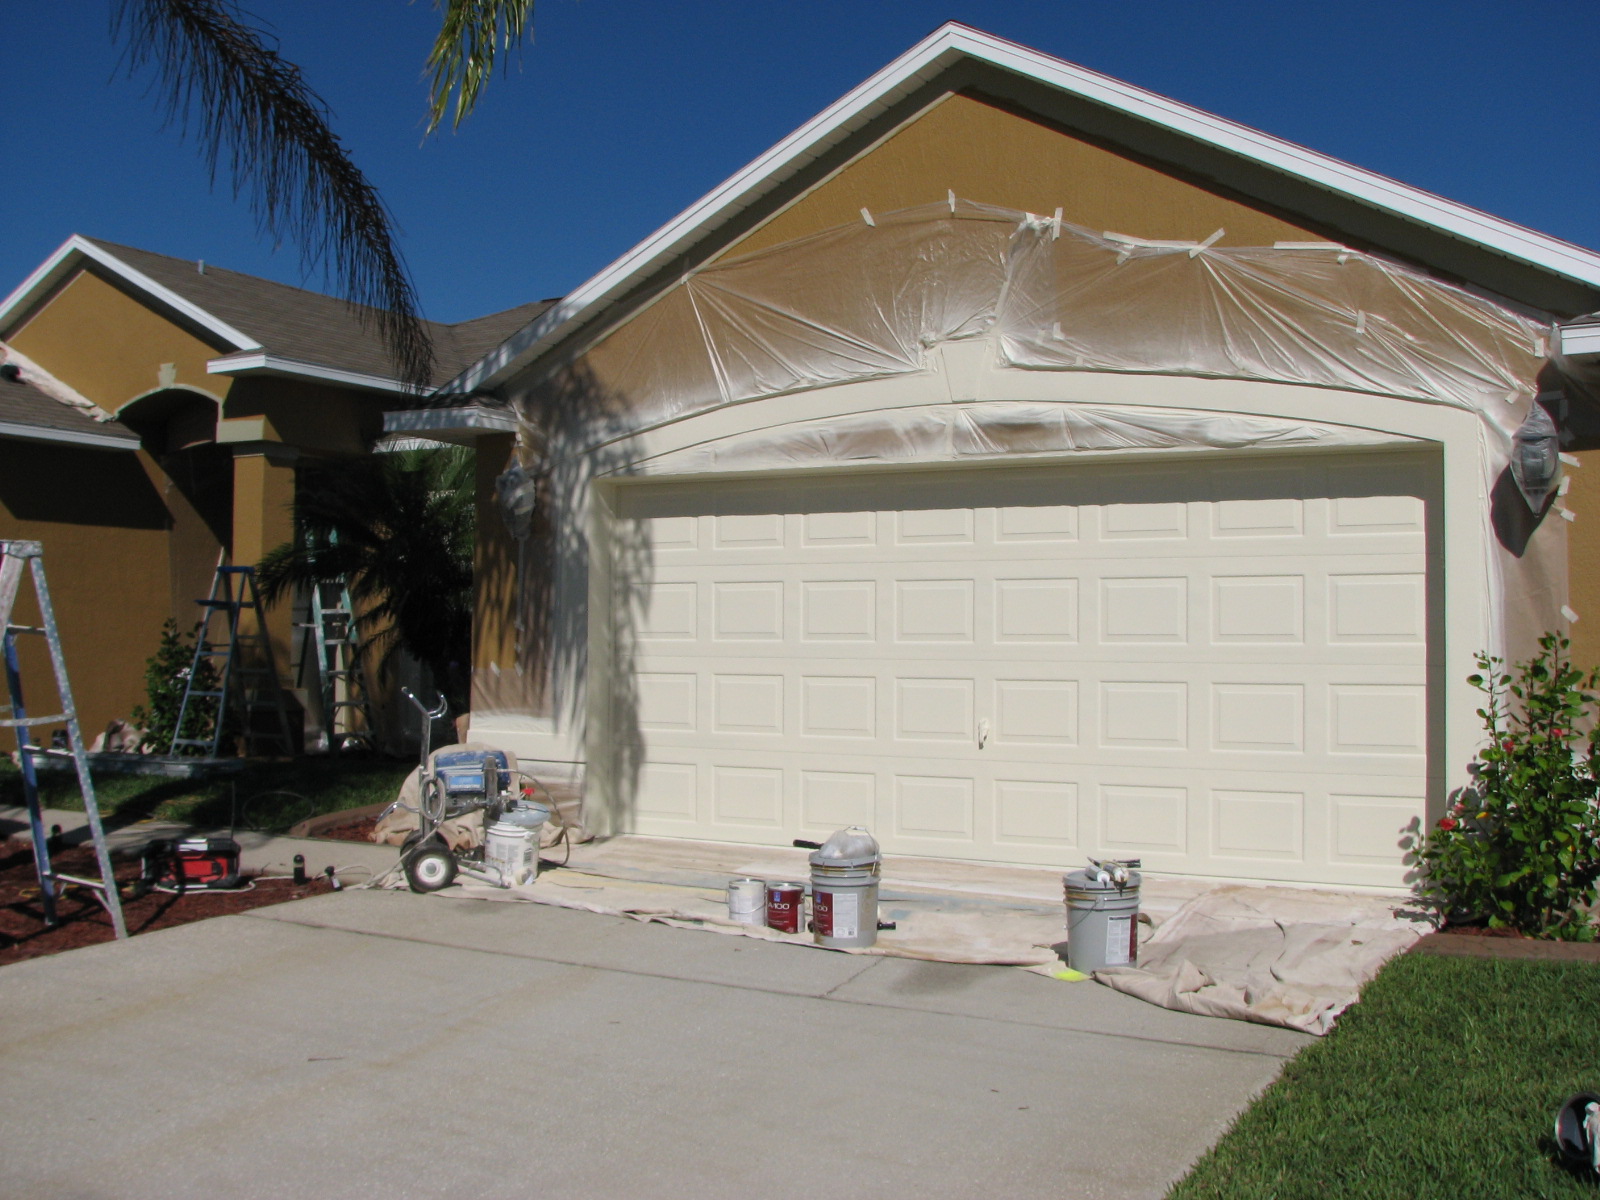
[104, 530]
[985, 152]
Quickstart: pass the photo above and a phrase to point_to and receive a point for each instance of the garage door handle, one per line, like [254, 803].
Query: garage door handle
[983, 733]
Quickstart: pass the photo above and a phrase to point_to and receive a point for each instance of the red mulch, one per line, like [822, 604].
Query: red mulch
[81, 921]
[351, 831]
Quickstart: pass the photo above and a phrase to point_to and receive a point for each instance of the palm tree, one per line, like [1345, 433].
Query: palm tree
[399, 528]
[254, 113]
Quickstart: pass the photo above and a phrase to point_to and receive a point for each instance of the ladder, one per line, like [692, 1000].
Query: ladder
[14, 555]
[248, 675]
[332, 643]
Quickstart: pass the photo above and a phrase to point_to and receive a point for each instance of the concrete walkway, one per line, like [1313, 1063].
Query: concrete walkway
[390, 1045]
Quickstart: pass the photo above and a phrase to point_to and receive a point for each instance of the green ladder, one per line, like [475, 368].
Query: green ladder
[332, 644]
[248, 673]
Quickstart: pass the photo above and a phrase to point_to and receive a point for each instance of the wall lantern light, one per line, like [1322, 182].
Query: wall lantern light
[1536, 457]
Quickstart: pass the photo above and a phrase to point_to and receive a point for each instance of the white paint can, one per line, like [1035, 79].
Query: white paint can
[510, 850]
[747, 901]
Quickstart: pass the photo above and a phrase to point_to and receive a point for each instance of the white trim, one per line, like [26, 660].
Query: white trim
[65, 258]
[1579, 340]
[260, 362]
[39, 433]
[472, 417]
[952, 43]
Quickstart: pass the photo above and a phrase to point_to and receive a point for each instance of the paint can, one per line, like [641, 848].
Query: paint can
[509, 849]
[844, 889]
[1102, 921]
[747, 901]
[786, 907]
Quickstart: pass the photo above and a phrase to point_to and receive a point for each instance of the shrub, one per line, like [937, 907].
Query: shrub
[1517, 849]
[166, 675]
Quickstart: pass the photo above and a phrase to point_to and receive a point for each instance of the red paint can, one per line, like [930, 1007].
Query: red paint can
[786, 907]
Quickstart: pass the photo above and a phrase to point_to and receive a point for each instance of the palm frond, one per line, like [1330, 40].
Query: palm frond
[253, 113]
[471, 36]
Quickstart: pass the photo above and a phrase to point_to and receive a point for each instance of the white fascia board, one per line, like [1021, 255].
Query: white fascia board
[952, 43]
[76, 248]
[262, 363]
[38, 433]
[473, 418]
[1580, 340]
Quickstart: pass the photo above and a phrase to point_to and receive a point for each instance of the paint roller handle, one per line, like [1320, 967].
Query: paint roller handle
[802, 844]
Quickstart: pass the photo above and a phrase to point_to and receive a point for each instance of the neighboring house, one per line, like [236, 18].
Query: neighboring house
[204, 389]
[1027, 466]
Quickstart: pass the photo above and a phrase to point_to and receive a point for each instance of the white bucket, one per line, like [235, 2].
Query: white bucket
[747, 901]
[510, 849]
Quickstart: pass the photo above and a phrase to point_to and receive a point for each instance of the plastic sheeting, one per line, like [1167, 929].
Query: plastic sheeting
[987, 430]
[868, 301]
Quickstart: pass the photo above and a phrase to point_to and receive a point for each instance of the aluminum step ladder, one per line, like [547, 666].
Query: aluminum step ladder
[332, 645]
[247, 682]
[15, 556]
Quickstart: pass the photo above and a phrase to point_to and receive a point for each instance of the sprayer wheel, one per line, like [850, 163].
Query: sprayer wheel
[430, 869]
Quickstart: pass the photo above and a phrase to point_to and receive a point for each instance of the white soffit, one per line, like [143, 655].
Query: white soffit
[952, 43]
[259, 362]
[468, 420]
[72, 437]
[74, 250]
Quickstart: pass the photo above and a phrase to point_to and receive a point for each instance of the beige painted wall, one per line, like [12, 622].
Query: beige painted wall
[993, 155]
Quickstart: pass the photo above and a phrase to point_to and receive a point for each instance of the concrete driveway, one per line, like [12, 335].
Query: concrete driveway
[385, 1044]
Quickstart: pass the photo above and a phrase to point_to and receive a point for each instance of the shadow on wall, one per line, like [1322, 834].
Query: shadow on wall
[585, 430]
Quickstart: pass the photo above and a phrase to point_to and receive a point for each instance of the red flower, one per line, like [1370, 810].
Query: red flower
[1448, 823]
[1507, 746]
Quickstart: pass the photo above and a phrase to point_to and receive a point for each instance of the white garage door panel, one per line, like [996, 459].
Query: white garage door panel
[1224, 672]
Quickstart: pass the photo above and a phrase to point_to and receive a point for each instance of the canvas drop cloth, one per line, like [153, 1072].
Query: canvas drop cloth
[1277, 956]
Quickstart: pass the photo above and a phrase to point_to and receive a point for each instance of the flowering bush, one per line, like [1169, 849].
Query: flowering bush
[1520, 847]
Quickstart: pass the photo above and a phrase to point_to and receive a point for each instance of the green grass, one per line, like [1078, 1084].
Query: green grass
[267, 796]
[1442, 1082]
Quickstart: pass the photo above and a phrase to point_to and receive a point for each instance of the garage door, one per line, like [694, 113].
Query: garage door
[1222, 667]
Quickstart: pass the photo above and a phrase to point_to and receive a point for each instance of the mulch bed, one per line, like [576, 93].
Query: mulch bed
[350, 831]
[1476, 941]
[81, 921]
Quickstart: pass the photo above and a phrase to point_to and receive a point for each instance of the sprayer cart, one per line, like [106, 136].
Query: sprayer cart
[456, 781]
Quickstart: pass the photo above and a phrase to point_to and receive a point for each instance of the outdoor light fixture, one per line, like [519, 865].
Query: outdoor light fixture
[1536, 457]
[517, 490]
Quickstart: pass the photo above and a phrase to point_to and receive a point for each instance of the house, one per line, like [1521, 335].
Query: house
[1028, 466]
[153, 414]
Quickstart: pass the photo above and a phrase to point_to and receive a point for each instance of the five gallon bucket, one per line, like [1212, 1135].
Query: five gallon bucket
[844, 889]
[513, 851]
[1102, 921]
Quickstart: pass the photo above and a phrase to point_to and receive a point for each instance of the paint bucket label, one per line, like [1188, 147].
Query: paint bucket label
[747, 900]
[1122, 947]
[786, 906]
[836, 914]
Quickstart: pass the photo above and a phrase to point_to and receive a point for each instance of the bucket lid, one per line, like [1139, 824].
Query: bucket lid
[850, 847]
[507, 829]
[1086, 881]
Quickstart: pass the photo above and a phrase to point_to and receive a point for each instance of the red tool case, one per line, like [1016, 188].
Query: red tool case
[191, 863]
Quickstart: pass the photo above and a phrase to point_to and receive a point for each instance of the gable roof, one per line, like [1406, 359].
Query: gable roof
[261, 325]
[1520, 263]
[28, 413]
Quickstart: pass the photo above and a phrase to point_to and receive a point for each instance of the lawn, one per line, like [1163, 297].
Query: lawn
[268, 796]
[1442, 1082]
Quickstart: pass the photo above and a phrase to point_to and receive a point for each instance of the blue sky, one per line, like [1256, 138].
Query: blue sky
[623, 112]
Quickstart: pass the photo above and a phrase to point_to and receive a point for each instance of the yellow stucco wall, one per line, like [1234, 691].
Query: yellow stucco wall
[1583, 557]
[110, 347]
[993, 155]
[104, 530]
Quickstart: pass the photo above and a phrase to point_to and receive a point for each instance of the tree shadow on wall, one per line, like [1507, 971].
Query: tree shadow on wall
[585, 430]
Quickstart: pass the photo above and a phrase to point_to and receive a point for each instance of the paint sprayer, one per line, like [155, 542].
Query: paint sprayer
[456, 782]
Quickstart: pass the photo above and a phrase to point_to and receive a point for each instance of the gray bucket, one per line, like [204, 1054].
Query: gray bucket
[844, 890]
[1102, 922]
